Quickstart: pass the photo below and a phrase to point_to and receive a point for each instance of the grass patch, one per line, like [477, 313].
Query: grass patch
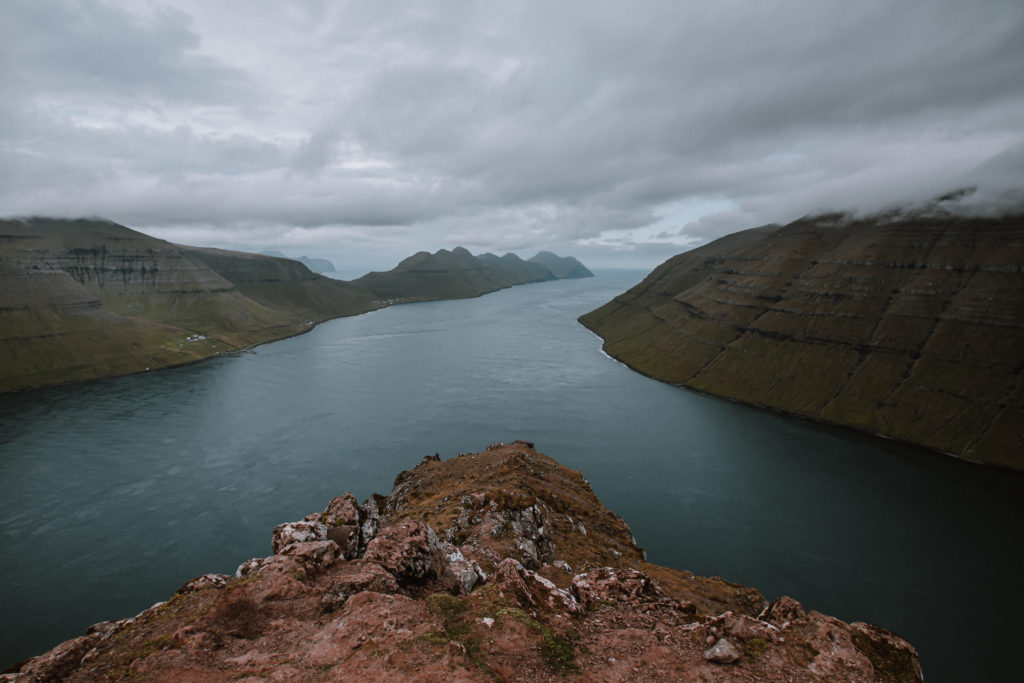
[556, 650]
[755, 647]
[457, 621]
[890, 664]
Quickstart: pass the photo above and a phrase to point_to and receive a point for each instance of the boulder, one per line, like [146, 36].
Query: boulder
[357, 577]
[783, 611]
[609, 584]
[410, 550]
[297, 532]
[316, 556]
[723, 652]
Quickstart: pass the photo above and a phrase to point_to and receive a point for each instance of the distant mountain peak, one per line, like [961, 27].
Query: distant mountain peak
[562, 267]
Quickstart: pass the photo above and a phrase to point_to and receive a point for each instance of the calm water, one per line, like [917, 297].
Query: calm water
[114, 493]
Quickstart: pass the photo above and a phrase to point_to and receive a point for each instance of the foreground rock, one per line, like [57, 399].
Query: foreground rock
[500, 565]
[911, 326]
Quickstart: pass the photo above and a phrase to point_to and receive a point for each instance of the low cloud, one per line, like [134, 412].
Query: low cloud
[592, 126]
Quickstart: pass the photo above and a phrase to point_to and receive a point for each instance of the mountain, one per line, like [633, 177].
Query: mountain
[906, 325]
[455, 274]
[317, 265]
[501, 565]
[562, 267]
[81, 299]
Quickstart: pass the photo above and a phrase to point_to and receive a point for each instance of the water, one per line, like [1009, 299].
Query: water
[114, 493]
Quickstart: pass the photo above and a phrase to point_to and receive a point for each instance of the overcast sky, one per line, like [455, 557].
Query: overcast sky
[620, 132]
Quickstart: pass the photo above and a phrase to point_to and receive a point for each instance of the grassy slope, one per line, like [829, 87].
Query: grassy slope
[81, 299]
[912, 328]
[87, 299]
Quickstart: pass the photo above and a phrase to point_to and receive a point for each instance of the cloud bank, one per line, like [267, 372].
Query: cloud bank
[367, 130]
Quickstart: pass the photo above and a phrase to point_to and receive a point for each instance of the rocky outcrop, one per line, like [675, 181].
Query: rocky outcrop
[428, 584]
[562, 267]
[910, 326]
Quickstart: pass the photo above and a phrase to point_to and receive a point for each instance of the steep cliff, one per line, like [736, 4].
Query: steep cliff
[455, 274]
[317, 265]
[501, 565]
[910, 326]
[89, 298]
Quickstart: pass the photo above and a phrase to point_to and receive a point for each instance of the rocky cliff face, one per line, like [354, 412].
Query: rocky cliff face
[85, 299]
[907, 326]
[500, 565]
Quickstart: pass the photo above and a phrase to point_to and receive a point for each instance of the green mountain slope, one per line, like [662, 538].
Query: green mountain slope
[907, 326]
[82, 299]
[85, 299]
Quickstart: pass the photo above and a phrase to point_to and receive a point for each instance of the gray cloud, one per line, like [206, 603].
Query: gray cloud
[623, 132]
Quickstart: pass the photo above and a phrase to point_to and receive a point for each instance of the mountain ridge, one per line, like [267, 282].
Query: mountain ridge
[455, 274]
[561, 266]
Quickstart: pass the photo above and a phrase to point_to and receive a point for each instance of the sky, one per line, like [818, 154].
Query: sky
[621, 133]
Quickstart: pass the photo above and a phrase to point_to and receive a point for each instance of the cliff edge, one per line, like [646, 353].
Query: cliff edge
[501, 565]
[909, 326]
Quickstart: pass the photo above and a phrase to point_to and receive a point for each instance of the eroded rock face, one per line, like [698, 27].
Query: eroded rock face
[401, 604]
